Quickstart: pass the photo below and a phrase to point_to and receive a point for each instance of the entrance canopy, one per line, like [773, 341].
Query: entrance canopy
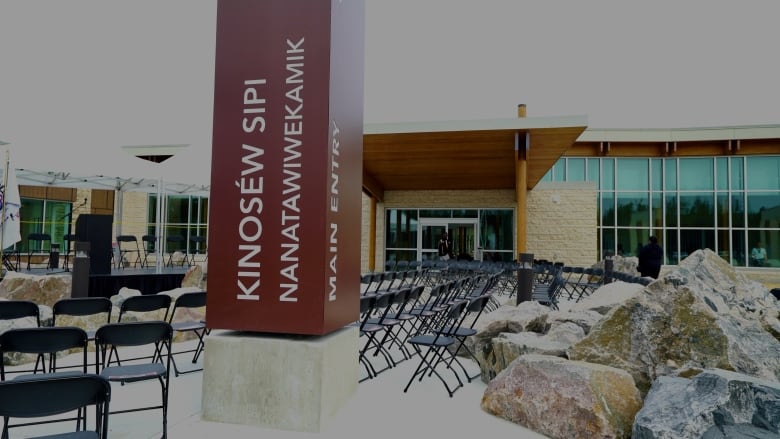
[475, 154]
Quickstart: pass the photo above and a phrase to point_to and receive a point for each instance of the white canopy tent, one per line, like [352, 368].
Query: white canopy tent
[115, 169]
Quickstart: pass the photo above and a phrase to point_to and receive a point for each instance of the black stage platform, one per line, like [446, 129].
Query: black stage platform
[145, 280]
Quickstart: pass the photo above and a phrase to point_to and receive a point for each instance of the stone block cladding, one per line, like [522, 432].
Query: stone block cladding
[562, 222]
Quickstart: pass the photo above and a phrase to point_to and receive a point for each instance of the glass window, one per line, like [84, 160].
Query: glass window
[670, 166]
[722, 217]
[738, 247]
[738, 209]
[559, 170]
[672, 249]
[671, 210]
[607, 209]
[696, 239]
[547, 175]
[633, 209]
[696, 174]
[608, 174]
[657, 174]
[697, 209]
[657, 212]
[401, 228]
[435, 213]
[770, 241]
[593, 170]
[400, 255]
[497, 229]
[722, 172]
[723, 244]
[737, 168]
[633, 175]
[575, 169]
[607, 242]
[465, 213]
[630, 241]
[43, 216]
[763, 209]
[763, 172]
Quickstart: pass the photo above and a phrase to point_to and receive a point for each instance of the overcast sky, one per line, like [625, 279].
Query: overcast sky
[92, 73]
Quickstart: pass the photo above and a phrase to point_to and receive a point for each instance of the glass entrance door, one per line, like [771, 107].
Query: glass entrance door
[462, 233]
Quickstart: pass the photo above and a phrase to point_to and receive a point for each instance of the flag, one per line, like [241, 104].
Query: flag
[10, 203]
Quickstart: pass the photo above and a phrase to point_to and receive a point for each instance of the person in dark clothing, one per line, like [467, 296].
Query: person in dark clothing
[650, 258]
[445, 247]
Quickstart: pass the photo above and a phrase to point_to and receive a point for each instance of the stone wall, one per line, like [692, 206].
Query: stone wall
[562, 222]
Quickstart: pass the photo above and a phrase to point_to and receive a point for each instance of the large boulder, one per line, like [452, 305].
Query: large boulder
[194, 277]
[606, 297]
[714, 404]
[564, 399]
[506, 319]
[702, 315]
[41, 289]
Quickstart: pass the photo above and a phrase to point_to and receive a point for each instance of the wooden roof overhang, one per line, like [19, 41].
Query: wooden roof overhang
[458, 155]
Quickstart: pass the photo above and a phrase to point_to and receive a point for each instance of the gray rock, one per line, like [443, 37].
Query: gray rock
[703, 315]
[713, 404]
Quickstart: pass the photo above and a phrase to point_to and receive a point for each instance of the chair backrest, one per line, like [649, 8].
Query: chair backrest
[145, 303]
[126, 238]
[195, 299]
[149, 239]
[41, 341]
[134, 334]
[56, 396]
[40, 237]
[82, 306]
[17, 309]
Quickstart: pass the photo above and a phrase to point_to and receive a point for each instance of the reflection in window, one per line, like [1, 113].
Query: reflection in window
[657, 174]
[737, 179]
[607, 209]
[738, 209]
[632, 175]
[692, 240]
[722, 217]
[575, 169]
[763, 209]
[696, 174]
[187, 217]
[497, 229]
[630, 241]
[697, 210]
[43, 216]
[401, 227]
[671, 210]
[763, 173]
[633, 209]
[608, 174]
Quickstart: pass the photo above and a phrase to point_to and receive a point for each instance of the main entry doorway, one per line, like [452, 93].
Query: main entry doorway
[462, 233]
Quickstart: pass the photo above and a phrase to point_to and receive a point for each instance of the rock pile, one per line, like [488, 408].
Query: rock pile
[698, 321]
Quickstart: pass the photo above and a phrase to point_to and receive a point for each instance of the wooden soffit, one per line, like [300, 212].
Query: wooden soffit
[458, 155]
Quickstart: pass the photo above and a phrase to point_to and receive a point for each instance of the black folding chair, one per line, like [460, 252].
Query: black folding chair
[175, 243]
[186, 301]
[43, 342]
[128, 244]
[54, 396]
[142, 307]
[19, 309]
[40, 238]
[80, 307]
[436, 346]
[147, 245]
[156, 337]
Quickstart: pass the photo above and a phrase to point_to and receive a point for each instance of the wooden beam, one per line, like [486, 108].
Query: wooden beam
[521, 191]
[372, 235]
[372, 187]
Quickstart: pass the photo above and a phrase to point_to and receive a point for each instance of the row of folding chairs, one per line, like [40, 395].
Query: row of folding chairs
[156, 306]
[51, 341]
[135, 364]
[396, 323]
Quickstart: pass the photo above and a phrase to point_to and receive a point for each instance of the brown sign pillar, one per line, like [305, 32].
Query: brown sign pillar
[284, 224]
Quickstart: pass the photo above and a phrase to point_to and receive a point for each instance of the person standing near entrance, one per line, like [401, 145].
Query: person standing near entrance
[650, 258]
[758, 255]
[445, 247]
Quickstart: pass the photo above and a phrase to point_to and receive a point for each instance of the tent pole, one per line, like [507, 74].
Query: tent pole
[158, 229]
